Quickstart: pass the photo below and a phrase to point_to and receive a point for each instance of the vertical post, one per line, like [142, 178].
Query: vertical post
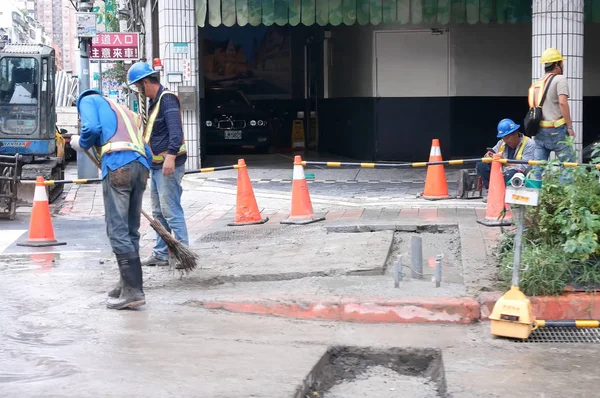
[100, 77]
[559, 24]
[398, 273]
[518, 239]
[438, 270]
[416, 257]
[86, 169]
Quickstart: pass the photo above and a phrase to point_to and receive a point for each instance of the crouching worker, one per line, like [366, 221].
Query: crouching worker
[117, 134]
[512, 145]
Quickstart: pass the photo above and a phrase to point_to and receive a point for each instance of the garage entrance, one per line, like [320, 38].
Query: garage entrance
[258, 82]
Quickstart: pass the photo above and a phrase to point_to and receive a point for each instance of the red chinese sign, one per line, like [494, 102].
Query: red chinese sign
[115, 47]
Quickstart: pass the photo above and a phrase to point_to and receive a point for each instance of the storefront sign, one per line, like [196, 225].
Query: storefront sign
[115, 47]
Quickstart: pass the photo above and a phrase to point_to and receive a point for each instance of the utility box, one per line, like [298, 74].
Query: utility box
[187, 97]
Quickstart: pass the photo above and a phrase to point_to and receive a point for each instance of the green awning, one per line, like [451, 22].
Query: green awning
[363, 12]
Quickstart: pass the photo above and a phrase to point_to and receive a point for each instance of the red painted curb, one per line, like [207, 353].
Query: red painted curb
[410, 310]
[552, 308]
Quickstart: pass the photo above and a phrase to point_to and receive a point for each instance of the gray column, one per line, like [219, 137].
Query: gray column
[177, 24]
[559, 24]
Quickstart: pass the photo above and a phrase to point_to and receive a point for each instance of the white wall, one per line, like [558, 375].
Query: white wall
[485, 59]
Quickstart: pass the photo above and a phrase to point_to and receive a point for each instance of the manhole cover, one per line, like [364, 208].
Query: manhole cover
[564, 335]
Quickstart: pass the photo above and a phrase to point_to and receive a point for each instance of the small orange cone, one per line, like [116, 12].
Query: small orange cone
[436, 186]
[302, 210]
[41, 233]
[495, 202]
[246, 212]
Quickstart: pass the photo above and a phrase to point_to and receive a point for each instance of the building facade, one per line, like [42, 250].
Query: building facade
[17, 26]
[385, 78]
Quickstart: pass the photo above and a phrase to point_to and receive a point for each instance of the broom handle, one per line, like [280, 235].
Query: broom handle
[147, 216]
[92, 158]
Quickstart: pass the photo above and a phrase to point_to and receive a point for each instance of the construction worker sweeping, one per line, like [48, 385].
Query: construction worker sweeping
[116, 132]
[164, 135]
[549, 116]
[512, 145]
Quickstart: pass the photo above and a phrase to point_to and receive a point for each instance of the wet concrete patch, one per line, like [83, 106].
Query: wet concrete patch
[291, 253]
[367, 372]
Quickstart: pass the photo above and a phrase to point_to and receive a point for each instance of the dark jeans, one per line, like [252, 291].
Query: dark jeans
[552, 139]
[123, 191]
[165, 193]
[484, 170]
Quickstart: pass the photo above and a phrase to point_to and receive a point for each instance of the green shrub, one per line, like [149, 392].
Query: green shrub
[560, 243]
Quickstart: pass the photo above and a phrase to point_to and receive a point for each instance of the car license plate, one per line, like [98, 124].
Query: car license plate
[233, 135]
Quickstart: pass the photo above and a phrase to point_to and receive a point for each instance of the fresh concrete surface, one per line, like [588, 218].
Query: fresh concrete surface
[294, 250]
[382, 382]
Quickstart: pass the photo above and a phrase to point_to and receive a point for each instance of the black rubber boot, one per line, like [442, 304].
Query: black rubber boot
[132, 293]
[115, 292]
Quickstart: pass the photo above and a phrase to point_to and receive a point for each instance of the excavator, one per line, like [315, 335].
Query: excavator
[31, 144]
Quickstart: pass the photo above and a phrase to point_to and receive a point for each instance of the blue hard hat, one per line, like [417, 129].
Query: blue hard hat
[138, 71]
[506, 127]
[93, 91]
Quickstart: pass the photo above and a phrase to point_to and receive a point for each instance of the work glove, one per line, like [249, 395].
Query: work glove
[75, 143]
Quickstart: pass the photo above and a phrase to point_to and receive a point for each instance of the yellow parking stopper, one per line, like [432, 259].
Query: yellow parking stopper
[512, 315]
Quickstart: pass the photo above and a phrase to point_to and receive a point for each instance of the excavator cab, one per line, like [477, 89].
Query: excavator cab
[27, 122]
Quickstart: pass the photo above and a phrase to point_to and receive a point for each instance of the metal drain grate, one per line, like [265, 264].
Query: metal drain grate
[564, 335]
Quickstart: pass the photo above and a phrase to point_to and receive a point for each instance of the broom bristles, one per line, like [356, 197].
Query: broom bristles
[183, 254]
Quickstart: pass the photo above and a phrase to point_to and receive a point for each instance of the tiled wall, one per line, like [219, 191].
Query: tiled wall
[177, 24]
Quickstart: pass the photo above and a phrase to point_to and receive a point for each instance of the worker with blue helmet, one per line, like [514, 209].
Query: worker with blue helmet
[164, 135]
[117, 135]
[512, 145]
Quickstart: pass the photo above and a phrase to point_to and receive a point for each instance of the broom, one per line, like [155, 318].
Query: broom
[186, 257]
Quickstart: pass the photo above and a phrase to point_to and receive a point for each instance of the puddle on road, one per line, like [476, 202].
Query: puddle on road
[366, 372]
[42, 261]
[46, 368]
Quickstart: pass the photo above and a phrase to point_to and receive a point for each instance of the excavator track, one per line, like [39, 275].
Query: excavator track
[9, 166]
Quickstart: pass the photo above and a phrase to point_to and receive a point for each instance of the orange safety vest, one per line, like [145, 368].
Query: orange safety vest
[519, 154]
[128, 135]
[150, 126]
[536, 91]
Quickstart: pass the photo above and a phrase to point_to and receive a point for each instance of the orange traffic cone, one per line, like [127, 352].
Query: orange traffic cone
[495, 201]
[302, 210]
[41, 232]
[436, 186]
[246, 212]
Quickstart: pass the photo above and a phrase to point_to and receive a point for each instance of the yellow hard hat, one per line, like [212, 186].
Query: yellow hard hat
[551, 55]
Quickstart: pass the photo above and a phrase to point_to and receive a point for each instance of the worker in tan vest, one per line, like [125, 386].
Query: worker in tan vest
[555, 125]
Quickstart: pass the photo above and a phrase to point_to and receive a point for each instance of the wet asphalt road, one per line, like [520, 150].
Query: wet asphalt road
[57, 339]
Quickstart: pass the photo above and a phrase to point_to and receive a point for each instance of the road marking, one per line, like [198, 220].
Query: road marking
[9, 237]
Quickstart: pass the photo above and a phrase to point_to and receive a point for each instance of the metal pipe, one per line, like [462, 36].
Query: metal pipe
[398, 272]
[438, 270]
[517, 251]
[569, 324]
[85, 167]
[416, 257]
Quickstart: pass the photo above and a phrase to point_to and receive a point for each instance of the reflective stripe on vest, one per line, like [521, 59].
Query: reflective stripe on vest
[128, 135]
[536, 91]
[149, 127]
[519, 155]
